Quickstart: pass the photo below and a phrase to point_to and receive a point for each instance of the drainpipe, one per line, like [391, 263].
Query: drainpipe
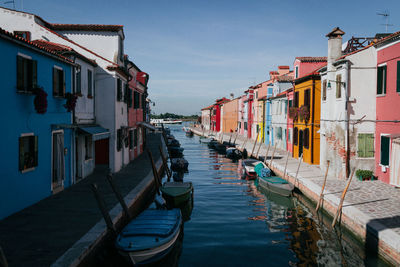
[347, 115]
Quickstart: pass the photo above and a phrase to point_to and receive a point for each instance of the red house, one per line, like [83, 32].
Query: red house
[216, 114]
[387, 131]
[136, 100]
[250, 110]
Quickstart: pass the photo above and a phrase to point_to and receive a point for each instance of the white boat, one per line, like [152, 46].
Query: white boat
[158, 122]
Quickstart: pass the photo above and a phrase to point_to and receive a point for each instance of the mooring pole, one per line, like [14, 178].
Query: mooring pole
[118, 195]
[237, 132]
[339, 209]
[254, 146]
[284, 172]
[298, 168]
[273, 153]
[103, 209]
[165, 163]
[321, 196]
[157, 181]
[266, 154]
[258, 150]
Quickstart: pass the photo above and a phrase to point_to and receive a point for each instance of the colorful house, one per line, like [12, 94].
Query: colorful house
[289, 133]
[242, 112]
[306, 113]
[279, 119]
[261, 94]
[348, 108]
[37, 145]
[230, 116]
[206, 117]
[249, 112]
[216, 114]
[387, 132]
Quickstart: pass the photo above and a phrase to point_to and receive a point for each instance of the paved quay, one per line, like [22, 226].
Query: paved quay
[63, 229]
[371, 209]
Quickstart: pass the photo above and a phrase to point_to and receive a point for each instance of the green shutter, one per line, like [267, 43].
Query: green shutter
[398, 77]
[20, 73]
[361, 145]
[369, 146]
[385, 145]
[384, 78]
[379, 81]
[36, 151]
[34, 74]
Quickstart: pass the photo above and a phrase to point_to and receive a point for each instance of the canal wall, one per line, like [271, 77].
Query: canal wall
[371, 209]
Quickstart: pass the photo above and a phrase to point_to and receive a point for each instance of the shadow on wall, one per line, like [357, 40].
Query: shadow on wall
[372, 237]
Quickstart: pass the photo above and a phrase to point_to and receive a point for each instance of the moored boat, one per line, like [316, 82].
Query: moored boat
[150, 236]
[233, 153]
[247, 170]
[273, 183]
[179, 195]
[179, 164]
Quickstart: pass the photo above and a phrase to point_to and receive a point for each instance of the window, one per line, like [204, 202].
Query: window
[338, 86]
[324, 90]
[307, 98]
[297, 72]
[26, 74]
[126, 93]
[279, 133]
[119, 139]
[258, 128]
[88, 147]
[136, 100]
[295, 135]
[286, 106]
[78, 81]
[58, 82]
[90, 83]
[381, 81]
[365, 147]
[245, 125]
[239, 125]
[290, 135]
[290, 103]
[398, 77]
[28, 152]
[119, 90]
[131, 140]
[257, 95]
[129, 98]
[306, 140]
[296, 99]
[23, 34]
[385, 148]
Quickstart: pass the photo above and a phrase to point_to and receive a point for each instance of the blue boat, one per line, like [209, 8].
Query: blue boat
[150, 236]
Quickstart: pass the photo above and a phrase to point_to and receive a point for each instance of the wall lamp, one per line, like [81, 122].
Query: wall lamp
[329, 86]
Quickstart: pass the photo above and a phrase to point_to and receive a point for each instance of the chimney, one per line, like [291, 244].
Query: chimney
[334, 46]
[282, 70]
[232, 96]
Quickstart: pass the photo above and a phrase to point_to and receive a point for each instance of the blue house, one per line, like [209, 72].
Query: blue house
[36, 138]
[268, 140]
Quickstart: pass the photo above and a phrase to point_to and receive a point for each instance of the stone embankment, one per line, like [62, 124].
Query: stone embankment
[371, 209]
[67, 229]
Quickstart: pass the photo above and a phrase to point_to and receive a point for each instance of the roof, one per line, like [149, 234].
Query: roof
[62, 50]
[280, 95]
[335, 33]
[209, 107]
[284, 78]
[283, 67]
[120, 70]
[312, 59]
[85, 27]
[7, 35]
[387, 39]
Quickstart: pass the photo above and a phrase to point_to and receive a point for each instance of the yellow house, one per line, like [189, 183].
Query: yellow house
[306, 112]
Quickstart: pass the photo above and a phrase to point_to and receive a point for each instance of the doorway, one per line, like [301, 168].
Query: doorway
[58, 163]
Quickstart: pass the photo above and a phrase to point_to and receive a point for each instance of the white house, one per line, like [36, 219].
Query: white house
[348, 108]
[279, 119]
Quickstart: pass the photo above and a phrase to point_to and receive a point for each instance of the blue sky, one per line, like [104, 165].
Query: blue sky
[198, 51]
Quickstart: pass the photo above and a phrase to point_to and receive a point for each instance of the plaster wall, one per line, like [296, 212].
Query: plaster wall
[84, 110]
[279, 121]
[230, 116]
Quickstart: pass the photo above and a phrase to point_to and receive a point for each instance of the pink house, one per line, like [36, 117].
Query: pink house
[387, 131]
[306, 65]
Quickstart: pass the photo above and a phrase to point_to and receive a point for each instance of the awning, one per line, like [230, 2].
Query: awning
[97, 132]
[147, 125]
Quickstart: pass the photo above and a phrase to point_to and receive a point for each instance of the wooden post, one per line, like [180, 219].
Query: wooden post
[287, 159]
[3, 260]
[165, 163]
[157, 181]
[237, 133]
[244, 144]
[103, 209]
[258, 150]
[273, 153]
[298, 167]
[230, 139]
[339, 209]
[266, 154]
[321, 196]
[254, 146]
[118, 195]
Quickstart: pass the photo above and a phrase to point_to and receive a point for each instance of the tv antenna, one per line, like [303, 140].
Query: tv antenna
[385, 15]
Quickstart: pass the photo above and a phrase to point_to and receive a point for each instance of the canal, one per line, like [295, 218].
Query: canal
[235, 224]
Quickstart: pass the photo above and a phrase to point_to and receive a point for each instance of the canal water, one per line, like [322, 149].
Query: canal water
[235, 224]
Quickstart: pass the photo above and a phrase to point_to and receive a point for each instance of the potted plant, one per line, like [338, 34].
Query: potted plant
[304, 113]
[363, 175]
[40, 100]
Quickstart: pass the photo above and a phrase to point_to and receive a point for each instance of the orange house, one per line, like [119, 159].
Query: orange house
[230, 112]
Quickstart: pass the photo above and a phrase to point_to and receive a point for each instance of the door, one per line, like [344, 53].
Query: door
[58, 161]
[300, 143]
[101, 151]
[395, 163]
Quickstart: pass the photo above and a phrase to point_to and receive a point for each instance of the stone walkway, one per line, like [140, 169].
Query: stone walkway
[42, 233]
[371, 208]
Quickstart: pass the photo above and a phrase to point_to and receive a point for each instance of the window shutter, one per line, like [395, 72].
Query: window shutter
[338, 86]
[324, 90]
[384, 78]
[78, 82]
[36, 151]
[21, 154]
[55, 82]
[130, 98]
[398, 77]
[361, 145]
[20, 73]
[369, 146]
[34, 74]
[385, 142]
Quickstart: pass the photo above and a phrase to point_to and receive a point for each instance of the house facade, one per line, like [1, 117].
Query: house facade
[230, 116]
[206, 117]
[279, 119]
[387, 132]
[36, 84]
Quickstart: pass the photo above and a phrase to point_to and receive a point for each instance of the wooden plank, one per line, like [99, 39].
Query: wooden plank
[118, 195]
[339, 209]
[321, 195]
[103, 209]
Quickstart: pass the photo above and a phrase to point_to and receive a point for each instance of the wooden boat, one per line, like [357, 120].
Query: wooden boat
[150, 236]
[189, 133]
[179, 195]
[273, 183]
[179, 164]
[221, 148]
[175, 152]
[247, 168]
[212, 144]
[233, 153]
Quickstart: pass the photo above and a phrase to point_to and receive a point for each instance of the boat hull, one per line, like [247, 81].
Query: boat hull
[283, 189]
